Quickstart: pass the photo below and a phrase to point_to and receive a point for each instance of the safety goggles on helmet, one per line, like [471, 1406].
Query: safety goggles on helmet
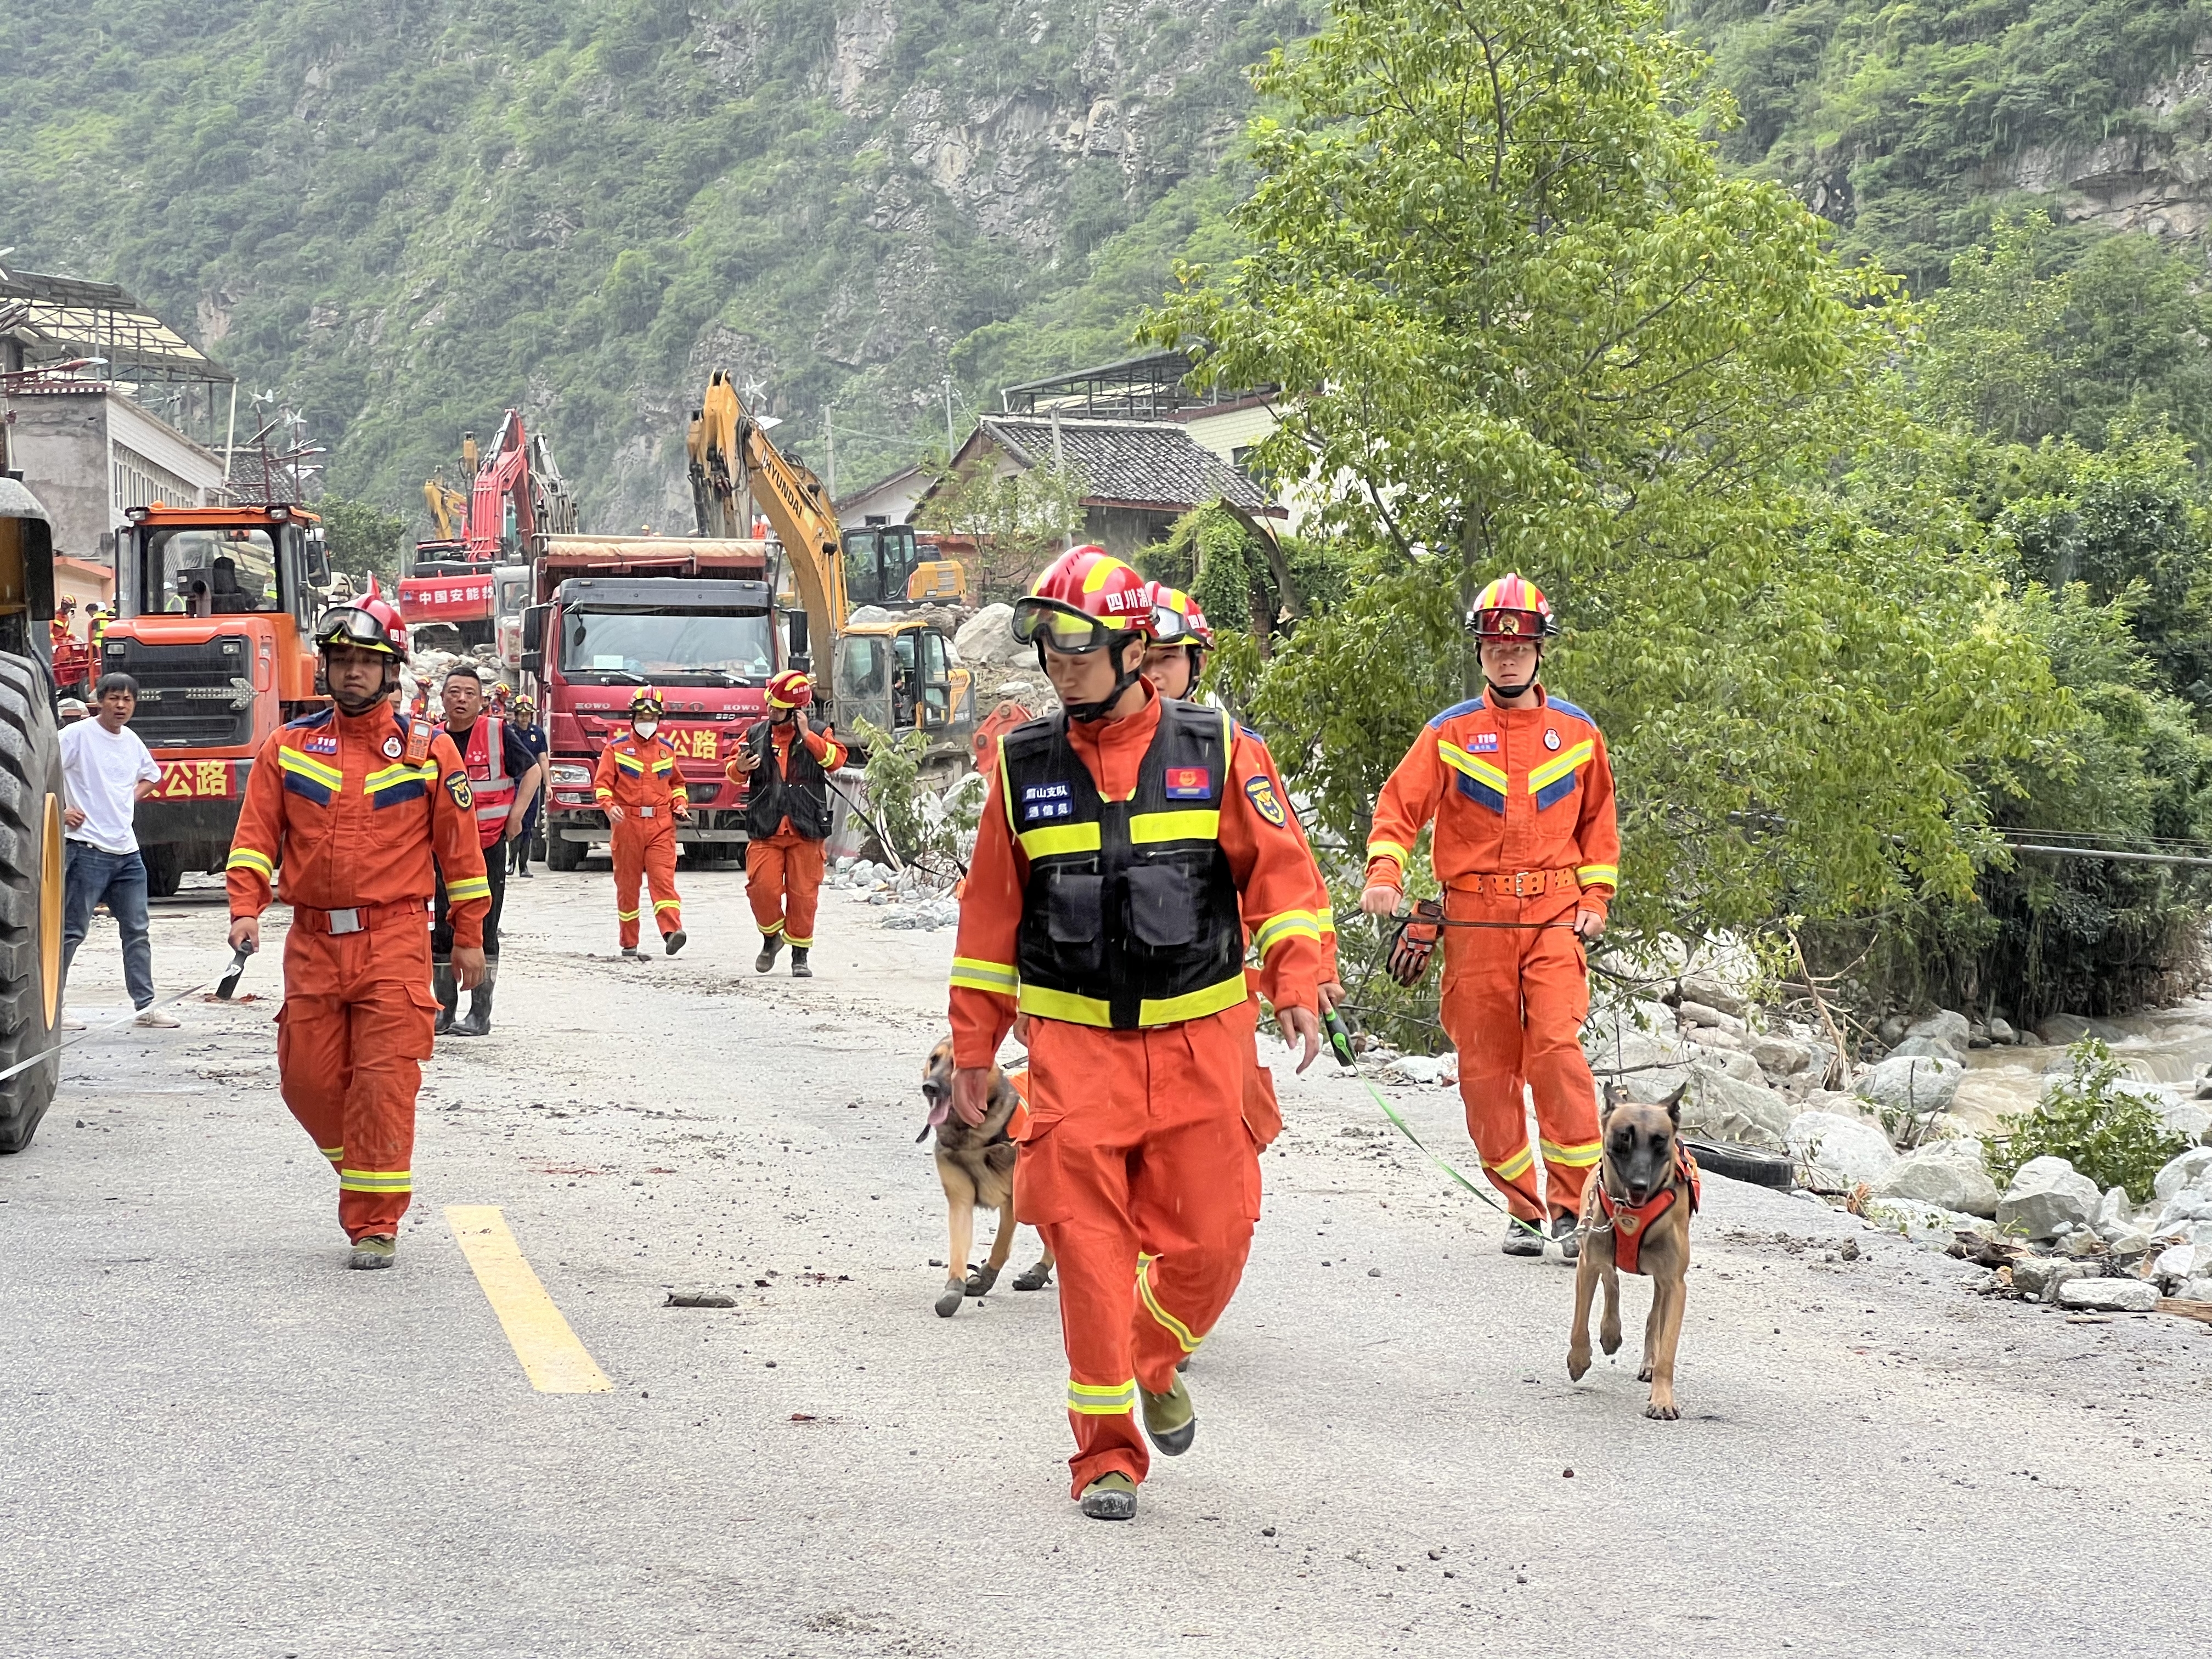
[359, 625]
[1177, 620]
[647, 701]
[1512, 608]
[1061, 626]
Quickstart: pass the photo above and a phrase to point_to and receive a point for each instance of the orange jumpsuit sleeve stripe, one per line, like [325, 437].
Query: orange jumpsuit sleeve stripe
[1598, 831]
[1409, 801]
[256, 846]
[1275, 878]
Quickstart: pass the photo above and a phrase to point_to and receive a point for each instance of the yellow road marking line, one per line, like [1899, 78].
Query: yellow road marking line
[552, 1358]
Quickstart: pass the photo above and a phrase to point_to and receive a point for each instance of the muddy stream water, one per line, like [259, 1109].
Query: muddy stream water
[2169, 1046]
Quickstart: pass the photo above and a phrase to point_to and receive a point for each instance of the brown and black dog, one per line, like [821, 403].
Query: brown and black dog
[976, 1168]
[1636, 1218]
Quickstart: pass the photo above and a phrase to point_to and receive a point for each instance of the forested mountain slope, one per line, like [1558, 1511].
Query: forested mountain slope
[408, 214]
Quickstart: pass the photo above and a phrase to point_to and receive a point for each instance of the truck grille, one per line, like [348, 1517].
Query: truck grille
[190, 697]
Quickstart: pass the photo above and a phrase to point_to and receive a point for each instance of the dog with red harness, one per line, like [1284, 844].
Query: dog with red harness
[1636, 1218]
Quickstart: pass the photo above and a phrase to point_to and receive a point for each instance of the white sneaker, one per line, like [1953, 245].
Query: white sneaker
[70, 1023]
[156, 1018]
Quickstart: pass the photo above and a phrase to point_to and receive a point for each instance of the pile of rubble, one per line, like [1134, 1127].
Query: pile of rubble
[427, 668]
[2058, 1240]
[913, 899]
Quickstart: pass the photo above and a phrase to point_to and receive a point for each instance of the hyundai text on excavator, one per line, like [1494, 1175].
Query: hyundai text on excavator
[893, 666]
[517, 499]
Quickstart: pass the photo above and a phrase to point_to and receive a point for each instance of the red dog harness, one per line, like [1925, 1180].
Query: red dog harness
[1632, 1224]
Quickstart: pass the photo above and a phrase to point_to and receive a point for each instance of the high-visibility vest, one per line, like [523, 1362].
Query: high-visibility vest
[1131, 915]
[485, 759]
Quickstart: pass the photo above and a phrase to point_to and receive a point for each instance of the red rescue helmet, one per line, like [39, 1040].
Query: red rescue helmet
[791, 689]
[1512, 608]
[1086, 598]
[370, 623]
[1177, 620]
[647, 701]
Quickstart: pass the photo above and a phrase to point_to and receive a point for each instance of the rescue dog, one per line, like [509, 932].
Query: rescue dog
[1636, 1217]
[975, 1167]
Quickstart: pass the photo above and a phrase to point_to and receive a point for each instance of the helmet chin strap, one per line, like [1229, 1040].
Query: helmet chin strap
[1089, 714]
[1512, 693]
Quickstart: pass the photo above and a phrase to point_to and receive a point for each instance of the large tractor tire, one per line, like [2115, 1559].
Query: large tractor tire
[561, 853]
[30, 899]
[165, 870]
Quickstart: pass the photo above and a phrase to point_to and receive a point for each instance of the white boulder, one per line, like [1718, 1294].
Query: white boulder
[1714, 994]
[2110, 1295]
[1913, 1083]
[1951, 1173]
[988, 637]
[1781, 1056]
[1944, 1025]
[1841, 1151]
[1726, 1108]
[2045, 1194]
[2182, 1172]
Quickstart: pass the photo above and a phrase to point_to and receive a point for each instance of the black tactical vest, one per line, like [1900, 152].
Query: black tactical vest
[1130, 918]
[802, 796]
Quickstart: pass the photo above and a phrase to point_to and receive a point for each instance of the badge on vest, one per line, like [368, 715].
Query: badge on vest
[321, 742]
[457, 785]
[392, 748]
[1551, 738]
[1044, 801]
[1190, 783]
[1485, 743]
[1262, 794]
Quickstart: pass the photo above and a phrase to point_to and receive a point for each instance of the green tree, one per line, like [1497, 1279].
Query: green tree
[1017, 520]
[1544, 332]
[362, 539]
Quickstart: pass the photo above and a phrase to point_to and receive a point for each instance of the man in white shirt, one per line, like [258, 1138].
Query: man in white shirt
[106, 772]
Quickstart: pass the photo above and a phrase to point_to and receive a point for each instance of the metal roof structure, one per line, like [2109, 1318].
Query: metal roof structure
[1147, 388]
[61, 316]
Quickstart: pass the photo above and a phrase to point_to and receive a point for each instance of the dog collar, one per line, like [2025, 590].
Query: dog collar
[1632, 1224]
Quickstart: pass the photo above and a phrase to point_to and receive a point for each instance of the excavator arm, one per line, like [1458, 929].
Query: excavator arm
[729, 454]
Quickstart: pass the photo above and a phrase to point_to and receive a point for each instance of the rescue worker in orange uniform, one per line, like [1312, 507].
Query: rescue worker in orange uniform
[788, 760]
[642, 793]
[1175, 661]
[1527, 847]
[353, 805]
[1128, 846]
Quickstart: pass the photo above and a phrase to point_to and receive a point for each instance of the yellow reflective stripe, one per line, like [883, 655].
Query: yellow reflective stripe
[766, 932]
[1559, 766]
[1189, 824]
[1598, 875]
[1060, 838]
[659, 905]
[1302, 924]
[1481, 770]
[1166, 1320]
[376, 1181]
[1193, 1005]
[291, 760]
[1067, 1006]
[384, 776]
[1094, 1400]
[798, 944]
[245, 858]
[629, 763]
[468, 887]
[979, 976]
[1575, 1155]
[333, 1153]
[1379, 849]
[625, 915]
[1519, 1163]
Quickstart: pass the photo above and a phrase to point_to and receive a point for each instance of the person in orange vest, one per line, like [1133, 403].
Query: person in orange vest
[353, 810]
[1175, 661]
[1527, 848]
[60, 630]
[503, 776]
[1129, 846]
[788, 760]
[642, 793]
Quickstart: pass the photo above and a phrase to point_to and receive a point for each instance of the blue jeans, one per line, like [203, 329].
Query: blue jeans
[90, 876]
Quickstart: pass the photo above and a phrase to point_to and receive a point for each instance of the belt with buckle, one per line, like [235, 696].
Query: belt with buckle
[1527, 884]
[362, 918]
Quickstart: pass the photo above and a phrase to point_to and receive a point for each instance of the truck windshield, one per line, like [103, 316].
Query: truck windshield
[209, 573]
[700, 647]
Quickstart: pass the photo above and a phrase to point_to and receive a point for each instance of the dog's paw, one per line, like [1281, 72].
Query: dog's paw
[1578, 1364]
[1610, 1340]
[1035, 1279]
[1666, 1412]
[956, 1292]
[1644, 1376]
[980, 1280]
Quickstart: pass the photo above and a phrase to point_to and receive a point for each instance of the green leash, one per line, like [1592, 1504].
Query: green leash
[1340, 1043]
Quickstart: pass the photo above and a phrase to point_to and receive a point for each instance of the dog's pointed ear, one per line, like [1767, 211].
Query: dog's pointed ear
[1611, 1091]
[1673, 1102]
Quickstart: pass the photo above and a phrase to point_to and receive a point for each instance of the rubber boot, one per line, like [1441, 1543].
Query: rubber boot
[771, 947]
[376, 1250]
[477, 1021]
[1111, 1497]
[798, 968]
[1169, 1423]
[448, 993]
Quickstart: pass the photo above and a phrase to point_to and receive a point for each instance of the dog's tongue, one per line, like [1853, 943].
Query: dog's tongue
[939, 1112]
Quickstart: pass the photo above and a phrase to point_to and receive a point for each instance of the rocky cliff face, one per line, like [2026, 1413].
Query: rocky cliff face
[2153, 177]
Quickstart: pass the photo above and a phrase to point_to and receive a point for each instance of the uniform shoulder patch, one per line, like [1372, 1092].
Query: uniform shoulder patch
[1469, 707]
[457, 785]
[1260, 792]
[1567, 709]
[308, 722]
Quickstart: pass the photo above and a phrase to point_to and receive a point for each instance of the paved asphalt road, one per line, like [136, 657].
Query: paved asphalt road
[219, 1443]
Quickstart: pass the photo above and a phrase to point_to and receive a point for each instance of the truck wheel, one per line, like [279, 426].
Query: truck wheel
[164, 870]
[561, 853]
[30, 899]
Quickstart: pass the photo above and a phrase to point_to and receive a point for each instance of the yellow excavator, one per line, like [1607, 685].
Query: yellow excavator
[448, 507]
[898, 667]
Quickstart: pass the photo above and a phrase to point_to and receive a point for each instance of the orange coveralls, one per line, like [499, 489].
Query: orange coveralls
[1525, 834]
[334, 803]
[783, 871]
[640, 778]
[1139, 1167]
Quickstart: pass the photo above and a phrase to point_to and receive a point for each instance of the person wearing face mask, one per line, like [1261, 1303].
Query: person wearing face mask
[642, 793]
[1527, 847]
[360, 808]
[788, 760]
[1128, 847]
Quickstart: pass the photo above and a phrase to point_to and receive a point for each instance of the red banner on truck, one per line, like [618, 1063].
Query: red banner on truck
[446, 599]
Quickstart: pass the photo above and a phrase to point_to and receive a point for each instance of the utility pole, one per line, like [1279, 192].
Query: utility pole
[949, 443]
[830, 425]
